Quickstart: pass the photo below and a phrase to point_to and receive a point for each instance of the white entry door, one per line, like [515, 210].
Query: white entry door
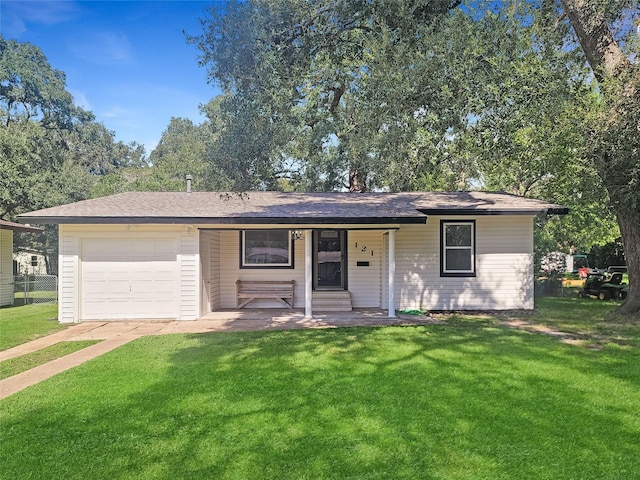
[129, 278]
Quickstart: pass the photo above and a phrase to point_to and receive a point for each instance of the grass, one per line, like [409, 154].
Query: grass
[589, 318]
[16, 365]
[467, 399]
[24, 323]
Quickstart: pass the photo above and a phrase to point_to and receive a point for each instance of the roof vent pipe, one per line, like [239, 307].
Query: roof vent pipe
[188, 183]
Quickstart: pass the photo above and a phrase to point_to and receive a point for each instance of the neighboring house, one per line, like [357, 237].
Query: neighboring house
[29, 262]
[178, 255]
[6, 258]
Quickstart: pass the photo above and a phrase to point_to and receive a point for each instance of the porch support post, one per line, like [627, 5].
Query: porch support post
[308, 279]
[392, 273]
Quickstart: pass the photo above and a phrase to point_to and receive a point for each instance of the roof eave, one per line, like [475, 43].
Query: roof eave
[228, 220]
[478, 212]
[21, 228]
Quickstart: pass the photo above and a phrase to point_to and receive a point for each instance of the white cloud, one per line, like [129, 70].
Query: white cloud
[80, 99]
[116, 112]
[17, 15]
[104, 48]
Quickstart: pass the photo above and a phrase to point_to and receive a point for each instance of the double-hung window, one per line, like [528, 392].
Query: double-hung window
[266, 249]
[457, 250]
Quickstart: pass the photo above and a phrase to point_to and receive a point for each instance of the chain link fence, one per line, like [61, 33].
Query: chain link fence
[35, 289]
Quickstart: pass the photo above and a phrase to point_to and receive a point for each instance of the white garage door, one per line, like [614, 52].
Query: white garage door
[129, 278]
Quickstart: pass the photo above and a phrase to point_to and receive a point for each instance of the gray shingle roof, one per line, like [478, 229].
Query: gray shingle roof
[281, 207]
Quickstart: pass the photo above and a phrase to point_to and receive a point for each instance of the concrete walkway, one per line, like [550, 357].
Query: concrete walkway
[115, 334]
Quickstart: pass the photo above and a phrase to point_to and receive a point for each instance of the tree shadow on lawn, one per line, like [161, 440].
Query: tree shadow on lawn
[401, 402]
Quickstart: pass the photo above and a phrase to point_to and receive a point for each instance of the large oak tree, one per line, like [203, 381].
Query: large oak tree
[613, 138]
[51, 151]
[325, 93]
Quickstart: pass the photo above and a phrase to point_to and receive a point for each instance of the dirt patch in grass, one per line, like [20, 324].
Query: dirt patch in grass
[595, 335]
[580, 322]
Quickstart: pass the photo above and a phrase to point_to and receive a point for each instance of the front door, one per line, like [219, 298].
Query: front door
[329, 259]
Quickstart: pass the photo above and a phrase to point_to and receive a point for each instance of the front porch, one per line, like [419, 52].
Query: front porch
[332, 269]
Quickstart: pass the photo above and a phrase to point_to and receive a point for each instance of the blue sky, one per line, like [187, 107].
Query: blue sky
[126, 61]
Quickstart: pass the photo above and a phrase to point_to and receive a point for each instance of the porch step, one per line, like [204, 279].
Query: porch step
[331, 301]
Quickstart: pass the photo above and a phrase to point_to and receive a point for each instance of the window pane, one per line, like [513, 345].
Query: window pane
[266, 247]
[458, 260]
[458, 235]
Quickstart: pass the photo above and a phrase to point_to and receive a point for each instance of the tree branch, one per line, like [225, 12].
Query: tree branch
[601, 49]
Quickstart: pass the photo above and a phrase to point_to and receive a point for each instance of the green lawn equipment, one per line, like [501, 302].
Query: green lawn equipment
[604, 285]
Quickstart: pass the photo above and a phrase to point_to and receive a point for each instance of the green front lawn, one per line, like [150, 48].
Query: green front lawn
[28, 322]
[467, 399]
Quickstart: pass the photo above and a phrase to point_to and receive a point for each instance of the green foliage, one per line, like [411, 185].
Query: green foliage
[530, 101]
[309, 90]
[244, 157]
[613, 139]
[51, 152]
[184, 149]
[603, 256]
[31, 89]
[484, 97]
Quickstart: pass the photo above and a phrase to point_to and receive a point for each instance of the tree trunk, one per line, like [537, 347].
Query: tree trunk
[601, 49]
[615, 142]
[629, 222]
[357, 184]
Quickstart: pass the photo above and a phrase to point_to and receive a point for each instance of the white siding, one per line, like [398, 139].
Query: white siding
[364, 282]
[68, 273]
[504, 267]
[6, 267]
[230, 271]
[189, 261]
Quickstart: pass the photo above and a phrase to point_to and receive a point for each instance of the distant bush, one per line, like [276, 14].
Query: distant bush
[603, 256]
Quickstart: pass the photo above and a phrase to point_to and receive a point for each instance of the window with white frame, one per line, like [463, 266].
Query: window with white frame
[266, 249]
[458, 245]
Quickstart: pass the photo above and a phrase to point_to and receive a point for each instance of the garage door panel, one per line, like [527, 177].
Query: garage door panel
[166, 287]
[129, 278]
[134, 250]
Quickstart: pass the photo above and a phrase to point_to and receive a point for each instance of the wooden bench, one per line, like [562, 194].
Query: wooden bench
[280, 290]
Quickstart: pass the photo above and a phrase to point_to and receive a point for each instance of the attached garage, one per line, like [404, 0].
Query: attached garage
[129, 278]
[128, 272]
